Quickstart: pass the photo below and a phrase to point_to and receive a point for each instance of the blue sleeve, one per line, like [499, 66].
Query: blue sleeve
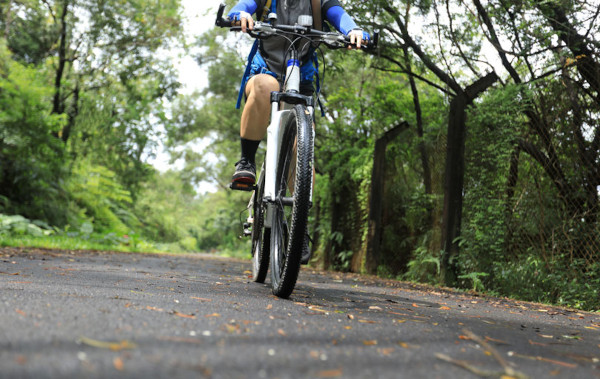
[248, 6]
[338, 17]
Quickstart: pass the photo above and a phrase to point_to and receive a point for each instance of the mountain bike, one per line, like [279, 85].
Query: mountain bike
[282, 196]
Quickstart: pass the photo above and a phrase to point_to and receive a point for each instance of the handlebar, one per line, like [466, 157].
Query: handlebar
[263, 30]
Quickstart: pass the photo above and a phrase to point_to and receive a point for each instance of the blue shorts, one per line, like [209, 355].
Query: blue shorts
[307, 73]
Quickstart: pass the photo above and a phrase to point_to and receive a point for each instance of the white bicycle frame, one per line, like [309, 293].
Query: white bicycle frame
[280, 113]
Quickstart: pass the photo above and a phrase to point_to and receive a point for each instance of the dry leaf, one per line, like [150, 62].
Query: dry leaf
[386, 350]
[281, 332]
[154, 309]
[347, 327]
[8, 273]
[367, 321]
[445, 308]
[351, 317]
[537, 343]
[118, 363]
[375, 308]
[369, 342]
[415, 305]
[270, 306]
[330, 373]
[463, 337]
[317, 309]
[179, 314]
[21, 359]
[114, 346]
[20, 312]
[200, 298]
[495, 340]
[403, 344]
[213, 315]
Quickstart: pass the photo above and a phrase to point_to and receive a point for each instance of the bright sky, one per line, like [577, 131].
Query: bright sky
[199, 16]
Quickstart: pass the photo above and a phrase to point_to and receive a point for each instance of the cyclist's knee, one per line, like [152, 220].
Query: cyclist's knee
[262, 85]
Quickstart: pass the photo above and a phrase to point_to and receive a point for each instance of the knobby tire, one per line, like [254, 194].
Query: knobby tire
[260, 235]
[289, 226]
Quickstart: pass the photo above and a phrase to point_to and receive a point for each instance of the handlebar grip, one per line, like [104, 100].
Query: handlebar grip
[220, 21]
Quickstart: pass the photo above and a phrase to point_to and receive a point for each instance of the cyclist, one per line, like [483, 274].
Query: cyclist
[267, 68]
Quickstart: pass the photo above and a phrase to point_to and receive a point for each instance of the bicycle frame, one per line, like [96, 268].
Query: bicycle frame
[280, 111]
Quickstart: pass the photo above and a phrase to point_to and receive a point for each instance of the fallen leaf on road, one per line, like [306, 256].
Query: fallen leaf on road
[386, 350]
[20, 312]
[270, 306]
[118, 363]
[415, 305]
[542, 359]
[351, 317]
[347, 327]
[200, 298]
[330, 373]
[445, 308]
[369, 342]
[281, 332]
[403, 344]
[367, 321]
[232, 328]
[179, 314]
[495, 340]
[8, 273]
[537, 343]
[213, 315]
[312, 308]
[154, 309]
[114, 346]
[375, 308]
[461, 337]
[21, 359]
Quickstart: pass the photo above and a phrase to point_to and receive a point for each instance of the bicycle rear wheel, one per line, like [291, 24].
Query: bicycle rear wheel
[292, 203]
[260, 235]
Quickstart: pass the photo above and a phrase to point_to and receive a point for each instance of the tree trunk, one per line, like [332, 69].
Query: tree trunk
[376, 197]
[58, 105]
[455, 172]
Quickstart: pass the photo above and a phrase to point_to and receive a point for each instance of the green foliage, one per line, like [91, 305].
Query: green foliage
[424, 266]
[17, 225]
[31, 166]
[96, 191]
[493, 129]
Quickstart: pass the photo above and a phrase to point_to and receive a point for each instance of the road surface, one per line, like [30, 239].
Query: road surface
[97, 315]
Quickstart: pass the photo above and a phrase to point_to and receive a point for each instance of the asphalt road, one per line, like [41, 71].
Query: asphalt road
[91, 314]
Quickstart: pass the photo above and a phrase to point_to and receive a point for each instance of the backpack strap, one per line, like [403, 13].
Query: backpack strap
[317, 18]
[246, 73]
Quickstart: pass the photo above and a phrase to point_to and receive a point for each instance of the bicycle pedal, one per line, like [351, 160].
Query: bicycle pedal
[238, 186]
[247, 231]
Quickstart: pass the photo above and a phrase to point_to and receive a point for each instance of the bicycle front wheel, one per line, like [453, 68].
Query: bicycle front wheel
[260, 241]
[292, 203]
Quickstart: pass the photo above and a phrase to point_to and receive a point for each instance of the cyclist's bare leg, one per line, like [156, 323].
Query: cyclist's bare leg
[257, 111]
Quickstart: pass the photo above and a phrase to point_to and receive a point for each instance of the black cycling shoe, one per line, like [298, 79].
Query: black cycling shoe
[245, 173]
[306, 251]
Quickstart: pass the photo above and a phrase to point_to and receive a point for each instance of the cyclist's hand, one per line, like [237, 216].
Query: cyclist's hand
[243, 19]
[358, 37]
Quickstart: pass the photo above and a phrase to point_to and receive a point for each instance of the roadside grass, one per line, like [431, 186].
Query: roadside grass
[74, 243]
[63, 242]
